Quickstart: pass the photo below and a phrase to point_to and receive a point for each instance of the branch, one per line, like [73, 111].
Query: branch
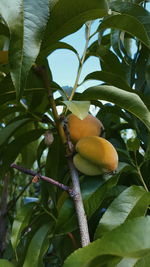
[77, 197]
[83, 226]
[45, 178]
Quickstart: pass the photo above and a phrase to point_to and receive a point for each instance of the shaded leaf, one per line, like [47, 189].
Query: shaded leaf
[26, 24]
[126, 23]
[110, 78]
[37, 247]
[15, 147]
[68, 16]
[9, 130]
[134, 10]
[133, 144]
[20, 223]
[55, 46]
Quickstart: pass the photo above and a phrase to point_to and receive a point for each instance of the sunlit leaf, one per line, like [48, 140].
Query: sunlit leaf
[126, 100]
[132, 202]
[6, 263]
[130, 240]
[78, 108]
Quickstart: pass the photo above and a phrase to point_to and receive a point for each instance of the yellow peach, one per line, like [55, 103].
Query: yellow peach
[90, 126]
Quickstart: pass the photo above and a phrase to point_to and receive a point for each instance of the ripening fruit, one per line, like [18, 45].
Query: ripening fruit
[95, 155]
[90, 126]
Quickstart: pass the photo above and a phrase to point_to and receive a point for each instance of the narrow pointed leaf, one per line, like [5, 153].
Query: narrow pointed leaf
[130, 240]
[93, 193]
[108, 78]
[6, 263]
[134, 10]
[55, 46]
[35, 251]
[126, 100]
[132, 202]
[68, 16]
[9, 130]
[21, 221]
[129, 24]
[26, 21]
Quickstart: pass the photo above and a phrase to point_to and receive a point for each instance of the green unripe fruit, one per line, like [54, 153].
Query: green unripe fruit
[95, 156]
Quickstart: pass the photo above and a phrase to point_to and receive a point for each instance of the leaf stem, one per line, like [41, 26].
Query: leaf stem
[139, 173]
[141, 178]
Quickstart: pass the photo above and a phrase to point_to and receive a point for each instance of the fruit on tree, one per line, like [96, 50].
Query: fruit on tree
[95, 155]
[90, 126]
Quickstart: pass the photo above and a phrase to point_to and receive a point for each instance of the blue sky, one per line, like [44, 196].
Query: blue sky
[64, 63]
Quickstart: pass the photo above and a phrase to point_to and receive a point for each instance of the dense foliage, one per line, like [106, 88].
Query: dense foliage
[38, 223]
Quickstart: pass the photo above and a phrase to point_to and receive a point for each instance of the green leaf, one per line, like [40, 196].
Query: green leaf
[68, 16]
[55, 46]
[24, 141]
[42, 146]
[55, 161]
[130, 240]
[110, 78]
[132, 202]
[93, 193]
[4, 30]
[26, 22]
[133, 144]
[21, 221]
[6, 263]
[78, 108]
[37, 247]
[134, 10]
[10, 129]
[6, 111]
[126, 23]
[126, 100]
[143, 262]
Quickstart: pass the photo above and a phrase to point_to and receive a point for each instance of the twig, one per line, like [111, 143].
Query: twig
[88, 28]
[45, 178]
